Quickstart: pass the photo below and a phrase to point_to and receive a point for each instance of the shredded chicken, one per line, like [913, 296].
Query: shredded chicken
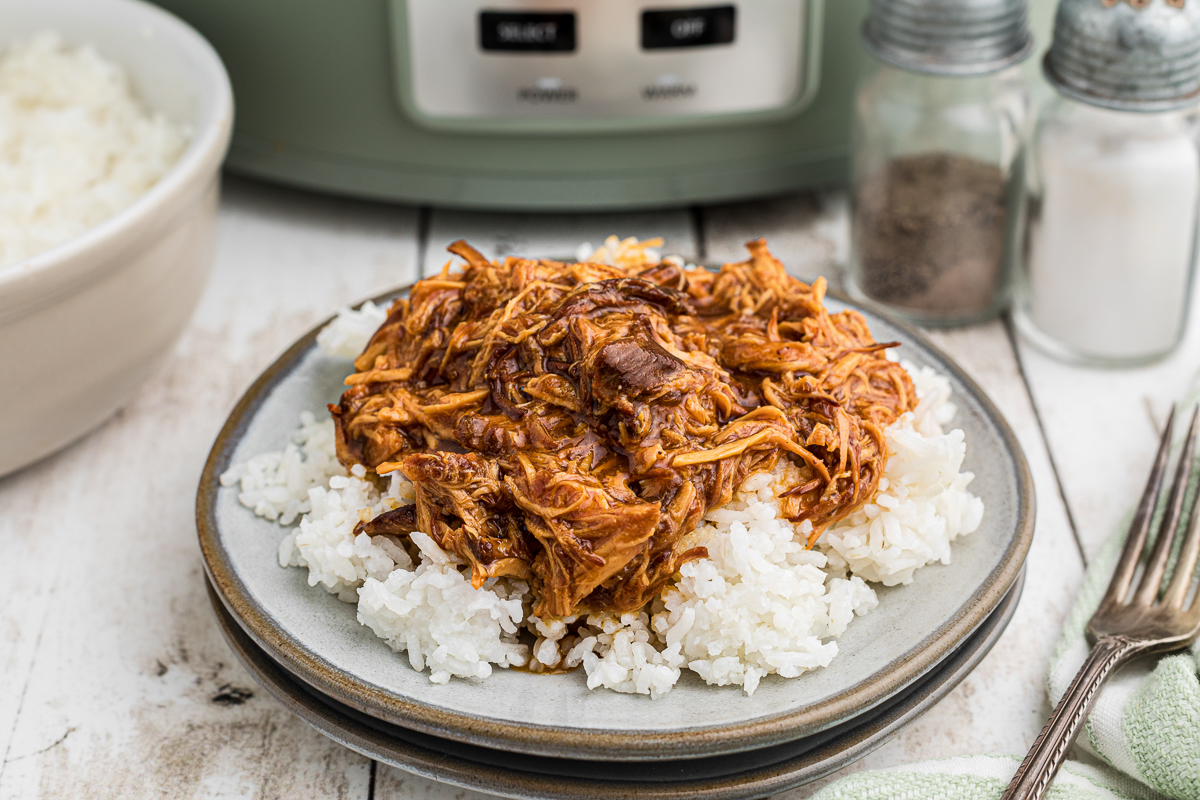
[569, 424]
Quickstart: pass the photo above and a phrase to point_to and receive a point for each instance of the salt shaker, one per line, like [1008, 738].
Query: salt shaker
[1114, 182]
[939, 138]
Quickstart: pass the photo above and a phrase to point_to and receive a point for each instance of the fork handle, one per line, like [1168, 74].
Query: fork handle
[1050, 748]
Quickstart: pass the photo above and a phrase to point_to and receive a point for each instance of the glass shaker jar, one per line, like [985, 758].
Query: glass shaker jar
[937, 167]
[1114, 184]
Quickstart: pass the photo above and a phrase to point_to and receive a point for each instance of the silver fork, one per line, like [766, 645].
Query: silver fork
[1126, 627]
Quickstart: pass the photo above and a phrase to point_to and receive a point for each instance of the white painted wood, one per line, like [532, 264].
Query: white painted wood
[1102, 425]
[808, 232]
[395, 784]
[24, 600]
[552, 235]
[119, 682]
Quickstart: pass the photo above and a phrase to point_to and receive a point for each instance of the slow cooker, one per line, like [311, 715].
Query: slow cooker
[539, 104]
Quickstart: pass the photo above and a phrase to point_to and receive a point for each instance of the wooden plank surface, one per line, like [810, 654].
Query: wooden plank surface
[119, 684]
[396, 784]
[806, 231]
[24, 599]
[1103, 425]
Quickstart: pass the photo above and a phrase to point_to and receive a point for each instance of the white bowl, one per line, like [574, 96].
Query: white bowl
[83, 324]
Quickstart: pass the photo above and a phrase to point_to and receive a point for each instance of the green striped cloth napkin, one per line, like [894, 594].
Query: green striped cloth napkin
[1146, 723]
[1145, 728]
[980, 778]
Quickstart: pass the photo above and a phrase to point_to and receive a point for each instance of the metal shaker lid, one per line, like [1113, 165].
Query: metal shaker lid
[949, 37]
[1133, 55]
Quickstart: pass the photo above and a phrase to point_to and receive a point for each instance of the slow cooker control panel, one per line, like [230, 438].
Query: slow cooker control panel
[598, 64]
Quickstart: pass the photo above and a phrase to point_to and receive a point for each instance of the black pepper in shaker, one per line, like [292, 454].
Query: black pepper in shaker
[939, 140]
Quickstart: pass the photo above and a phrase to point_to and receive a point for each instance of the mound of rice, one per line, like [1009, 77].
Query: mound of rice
[350, 331]
[760, 604]
[76, 146]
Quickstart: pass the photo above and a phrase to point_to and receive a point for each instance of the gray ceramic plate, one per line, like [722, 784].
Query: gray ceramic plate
[319, 640]
[756, 773]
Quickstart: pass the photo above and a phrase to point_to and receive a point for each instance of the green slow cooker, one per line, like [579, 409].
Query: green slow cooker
[541, 104]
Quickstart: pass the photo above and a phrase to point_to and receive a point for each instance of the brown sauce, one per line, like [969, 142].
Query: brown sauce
[598, 412]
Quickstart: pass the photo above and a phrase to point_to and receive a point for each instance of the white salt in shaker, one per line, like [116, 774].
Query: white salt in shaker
[1114, 184]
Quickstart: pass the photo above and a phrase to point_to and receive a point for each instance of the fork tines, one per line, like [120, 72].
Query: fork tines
[1148, 588]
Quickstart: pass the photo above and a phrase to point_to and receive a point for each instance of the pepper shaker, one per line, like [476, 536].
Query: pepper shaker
[1114, 183]
[939, 138]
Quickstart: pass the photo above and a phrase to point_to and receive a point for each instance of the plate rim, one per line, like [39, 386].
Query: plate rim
[613, 744]
[825, 758]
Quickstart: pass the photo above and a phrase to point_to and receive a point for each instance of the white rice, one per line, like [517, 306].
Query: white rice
[443, 623]
[347, 335]
[616, 251]
[760, 604]
[76, 146]
[276, 484]
[326, 543]
[922, 504]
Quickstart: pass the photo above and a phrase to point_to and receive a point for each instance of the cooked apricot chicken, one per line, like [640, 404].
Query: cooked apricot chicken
[571, 423]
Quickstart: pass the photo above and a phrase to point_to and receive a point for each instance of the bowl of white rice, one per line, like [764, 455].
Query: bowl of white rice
[114, 119]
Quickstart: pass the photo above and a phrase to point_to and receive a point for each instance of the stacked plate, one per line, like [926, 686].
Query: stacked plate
[522, 735]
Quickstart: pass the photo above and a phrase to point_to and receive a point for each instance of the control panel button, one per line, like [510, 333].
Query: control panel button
[687, 27]
[512, 31]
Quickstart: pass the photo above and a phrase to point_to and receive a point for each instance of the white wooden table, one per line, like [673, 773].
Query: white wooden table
[114, 681]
